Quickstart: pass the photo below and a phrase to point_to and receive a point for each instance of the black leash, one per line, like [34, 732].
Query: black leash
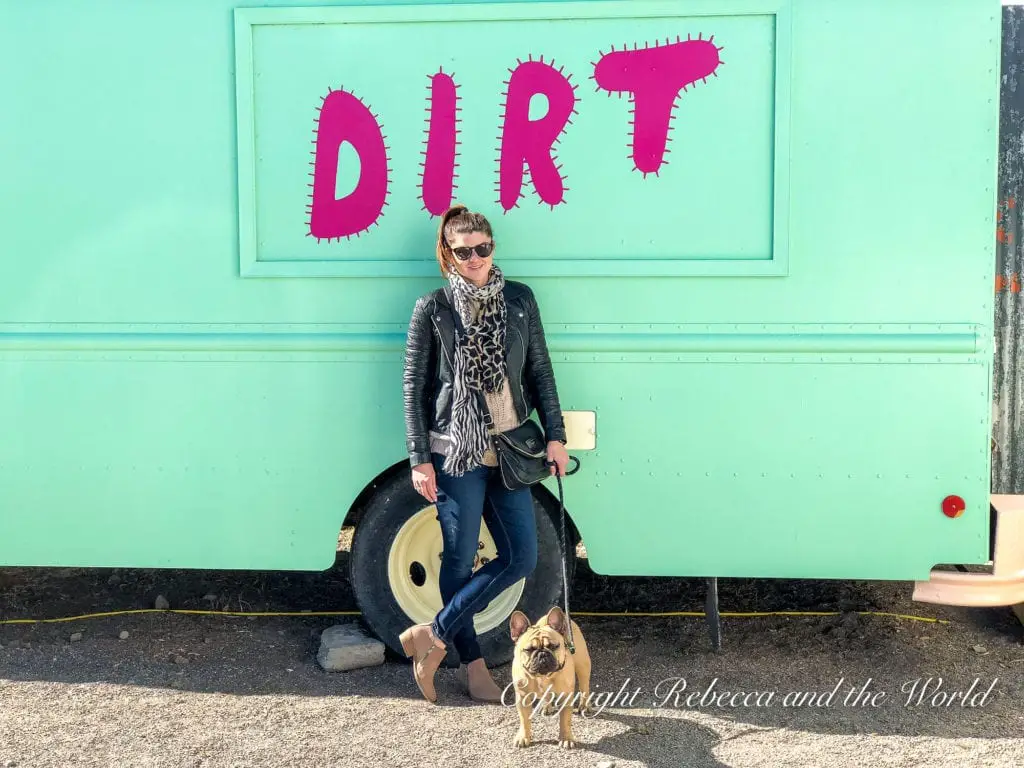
[563, 545]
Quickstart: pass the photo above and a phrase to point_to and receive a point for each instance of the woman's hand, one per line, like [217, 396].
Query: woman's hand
[424, 480]
[558, 454]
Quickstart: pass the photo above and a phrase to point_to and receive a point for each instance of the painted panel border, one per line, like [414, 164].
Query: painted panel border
[866, 342]
[246, 19]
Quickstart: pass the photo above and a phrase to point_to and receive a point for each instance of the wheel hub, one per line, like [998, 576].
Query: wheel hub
[414, 565]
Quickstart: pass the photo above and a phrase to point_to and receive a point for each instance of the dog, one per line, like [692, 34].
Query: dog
[544, 670]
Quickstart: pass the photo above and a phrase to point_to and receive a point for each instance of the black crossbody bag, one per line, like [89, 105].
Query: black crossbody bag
[522, 451]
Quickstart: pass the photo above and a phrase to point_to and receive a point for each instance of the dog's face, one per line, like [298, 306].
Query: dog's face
[541, 646]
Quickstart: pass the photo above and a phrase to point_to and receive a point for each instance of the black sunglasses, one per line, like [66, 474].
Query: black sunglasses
[464, 253]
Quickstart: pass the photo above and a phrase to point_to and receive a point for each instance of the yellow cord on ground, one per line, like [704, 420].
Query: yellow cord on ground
[179, 610]
[700, 614]
[728, 614]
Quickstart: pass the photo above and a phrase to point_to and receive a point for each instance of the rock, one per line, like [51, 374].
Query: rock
[76, 637]
[161, 603]
[124, 635]
[346, 646]
[179, 659]
[980, 649]
[606, 764]
[114, 579]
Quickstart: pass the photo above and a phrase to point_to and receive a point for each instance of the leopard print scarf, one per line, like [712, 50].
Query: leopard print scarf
[479, 365]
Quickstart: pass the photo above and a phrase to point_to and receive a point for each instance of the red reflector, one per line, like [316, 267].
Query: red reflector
[953, 506]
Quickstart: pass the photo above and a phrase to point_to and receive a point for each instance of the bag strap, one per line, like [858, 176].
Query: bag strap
[488, 421]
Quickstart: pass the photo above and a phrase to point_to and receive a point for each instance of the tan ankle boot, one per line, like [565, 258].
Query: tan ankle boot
[479, 683]
[427, 653]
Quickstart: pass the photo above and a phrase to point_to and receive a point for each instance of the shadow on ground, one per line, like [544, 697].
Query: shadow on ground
[811, 655]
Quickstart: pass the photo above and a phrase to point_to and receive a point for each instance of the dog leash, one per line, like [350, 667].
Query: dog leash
[563, 546]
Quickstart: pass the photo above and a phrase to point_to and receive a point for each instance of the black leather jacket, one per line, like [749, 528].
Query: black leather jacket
[429, 356]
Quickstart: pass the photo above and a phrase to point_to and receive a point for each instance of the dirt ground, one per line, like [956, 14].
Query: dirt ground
[218, 690]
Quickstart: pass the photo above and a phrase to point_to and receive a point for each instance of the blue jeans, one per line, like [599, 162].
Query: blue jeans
[461, 502]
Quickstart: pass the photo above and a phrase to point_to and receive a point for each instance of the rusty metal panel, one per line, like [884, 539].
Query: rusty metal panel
[1008, 387]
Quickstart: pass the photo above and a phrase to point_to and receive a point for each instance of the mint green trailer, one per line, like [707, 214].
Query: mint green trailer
[761, 234]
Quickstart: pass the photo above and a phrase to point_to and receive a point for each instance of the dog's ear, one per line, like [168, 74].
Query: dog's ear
[518, 624]
[556, 620]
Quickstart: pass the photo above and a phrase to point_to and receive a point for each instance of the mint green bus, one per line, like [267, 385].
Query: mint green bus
[760, 233]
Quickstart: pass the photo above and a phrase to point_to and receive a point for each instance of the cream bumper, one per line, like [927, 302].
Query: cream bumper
[1004, 585]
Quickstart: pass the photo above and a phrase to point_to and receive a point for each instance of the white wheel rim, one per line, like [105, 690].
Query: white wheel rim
[414, 563]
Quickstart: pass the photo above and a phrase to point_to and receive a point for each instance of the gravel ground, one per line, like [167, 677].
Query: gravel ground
[218, 690]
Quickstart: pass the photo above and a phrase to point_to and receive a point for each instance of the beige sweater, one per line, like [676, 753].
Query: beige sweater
[503, 413]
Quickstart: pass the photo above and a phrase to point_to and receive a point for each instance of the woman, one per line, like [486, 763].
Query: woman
[480, 333]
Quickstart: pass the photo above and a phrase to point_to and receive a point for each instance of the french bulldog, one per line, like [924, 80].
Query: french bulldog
[545, 671]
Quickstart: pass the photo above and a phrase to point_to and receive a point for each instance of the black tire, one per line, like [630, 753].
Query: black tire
[394, 503]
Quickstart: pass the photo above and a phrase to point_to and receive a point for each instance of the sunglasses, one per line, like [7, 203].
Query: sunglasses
[483, 251]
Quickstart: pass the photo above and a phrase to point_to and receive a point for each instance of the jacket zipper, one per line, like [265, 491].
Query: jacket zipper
[522, 366]
[440, 338]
